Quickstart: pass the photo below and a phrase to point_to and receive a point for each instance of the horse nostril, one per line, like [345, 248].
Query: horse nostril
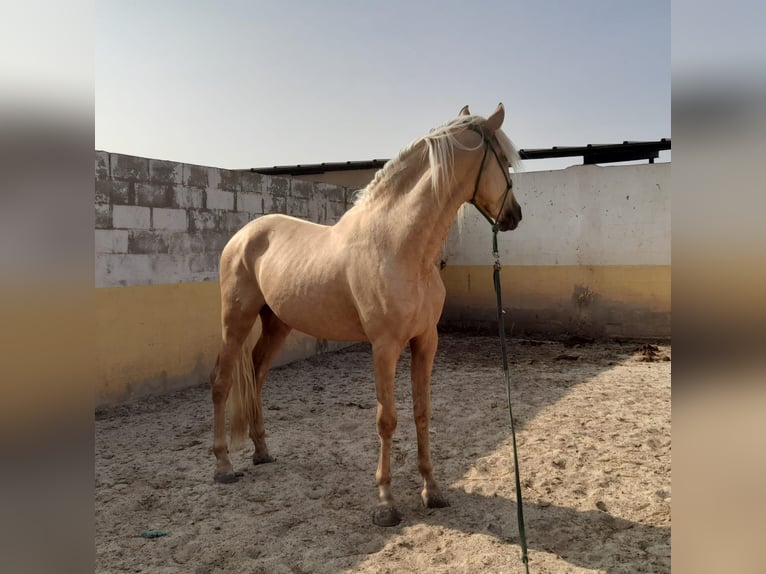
[513, 216]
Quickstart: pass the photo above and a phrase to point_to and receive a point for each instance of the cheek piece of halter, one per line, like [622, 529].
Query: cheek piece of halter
[488, 146]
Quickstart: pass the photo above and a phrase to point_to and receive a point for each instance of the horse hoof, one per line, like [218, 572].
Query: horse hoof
[263, 459]
[385, 515]
[227, 477]
[434, 500]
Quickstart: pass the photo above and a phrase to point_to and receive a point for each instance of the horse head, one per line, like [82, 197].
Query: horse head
[493, 191]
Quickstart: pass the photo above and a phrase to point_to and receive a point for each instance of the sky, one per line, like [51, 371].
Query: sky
[239, 84]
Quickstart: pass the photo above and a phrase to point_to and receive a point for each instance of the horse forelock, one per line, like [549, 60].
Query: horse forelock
[509, 150]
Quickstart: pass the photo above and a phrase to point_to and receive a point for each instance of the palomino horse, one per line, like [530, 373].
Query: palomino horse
[370, 277]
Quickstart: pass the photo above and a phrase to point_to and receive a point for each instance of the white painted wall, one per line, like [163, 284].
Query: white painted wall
[582, 215]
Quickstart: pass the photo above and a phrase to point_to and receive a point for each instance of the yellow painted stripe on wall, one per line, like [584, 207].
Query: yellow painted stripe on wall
[155, 338]
[533, 285]
[613, 299]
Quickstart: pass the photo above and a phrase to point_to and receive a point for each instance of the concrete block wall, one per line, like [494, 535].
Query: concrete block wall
[160, 229]
[165, 222]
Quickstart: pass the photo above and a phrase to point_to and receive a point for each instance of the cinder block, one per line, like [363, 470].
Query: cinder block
[234, 220]
[213, 178]
[117, 192]
[154, 194]
[123, 193]
[198, 242]
[229, 180]
[128, 167]
[219, 199]
[203, 220]
[214, 242]
[274, 204]
[301, 189]
[335, 210]
[253, 182]
[278, 187]
[169, 172]
[172, 268]
[195, 175]
[188, 197]
[142, 241]
[250, 202]
[131, 217]
[183, 242]
[113, 269]
[111, 240]
[203, 265]
[103, 216]
[297, 207]
[102, 166]
[317, 209]
[330, 191]
[102, 190]
[170, 219]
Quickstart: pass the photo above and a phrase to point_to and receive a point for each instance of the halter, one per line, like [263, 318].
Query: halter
[508, 180]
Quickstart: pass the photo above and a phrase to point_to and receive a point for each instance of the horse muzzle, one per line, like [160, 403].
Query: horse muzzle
[511, 217]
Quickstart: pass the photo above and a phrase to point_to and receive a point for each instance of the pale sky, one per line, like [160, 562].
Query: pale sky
[240, 84]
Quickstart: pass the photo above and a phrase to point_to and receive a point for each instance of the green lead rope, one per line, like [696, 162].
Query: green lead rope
[504, 347]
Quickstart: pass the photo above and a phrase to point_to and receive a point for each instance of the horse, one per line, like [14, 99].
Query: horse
[372, 276]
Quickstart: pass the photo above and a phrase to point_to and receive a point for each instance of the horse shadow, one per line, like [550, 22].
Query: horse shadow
[591, 539]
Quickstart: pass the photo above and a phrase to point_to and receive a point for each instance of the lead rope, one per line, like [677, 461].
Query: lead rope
[503, 345]
[506, 374]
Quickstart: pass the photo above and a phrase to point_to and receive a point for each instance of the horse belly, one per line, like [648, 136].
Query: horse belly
[314, 300]
[324, 315]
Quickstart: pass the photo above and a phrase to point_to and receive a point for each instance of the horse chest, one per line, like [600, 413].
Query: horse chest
[400, 304]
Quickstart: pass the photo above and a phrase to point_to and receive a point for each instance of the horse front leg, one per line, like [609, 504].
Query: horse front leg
[423, 353]
[385, 355]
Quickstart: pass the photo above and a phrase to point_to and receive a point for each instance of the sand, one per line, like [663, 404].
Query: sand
[593, 425]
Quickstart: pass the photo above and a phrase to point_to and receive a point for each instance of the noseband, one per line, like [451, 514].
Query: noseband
[488, 146]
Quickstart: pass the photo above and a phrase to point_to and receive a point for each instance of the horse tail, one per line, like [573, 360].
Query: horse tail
[242, 402]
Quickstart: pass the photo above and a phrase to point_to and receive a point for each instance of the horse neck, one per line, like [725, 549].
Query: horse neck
[417, 222]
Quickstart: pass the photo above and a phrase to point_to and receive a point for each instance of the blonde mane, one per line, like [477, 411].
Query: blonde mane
[439, 146]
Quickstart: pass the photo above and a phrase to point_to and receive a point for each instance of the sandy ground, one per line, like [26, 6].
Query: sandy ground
[594, 439]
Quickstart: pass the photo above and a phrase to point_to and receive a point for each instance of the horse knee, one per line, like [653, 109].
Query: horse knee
[386, 423]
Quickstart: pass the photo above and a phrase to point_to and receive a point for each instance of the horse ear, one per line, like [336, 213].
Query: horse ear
[494, 121]
[464, 111]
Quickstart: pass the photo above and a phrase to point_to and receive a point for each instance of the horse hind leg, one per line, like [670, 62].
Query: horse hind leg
[238, 321]
[273, 334]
